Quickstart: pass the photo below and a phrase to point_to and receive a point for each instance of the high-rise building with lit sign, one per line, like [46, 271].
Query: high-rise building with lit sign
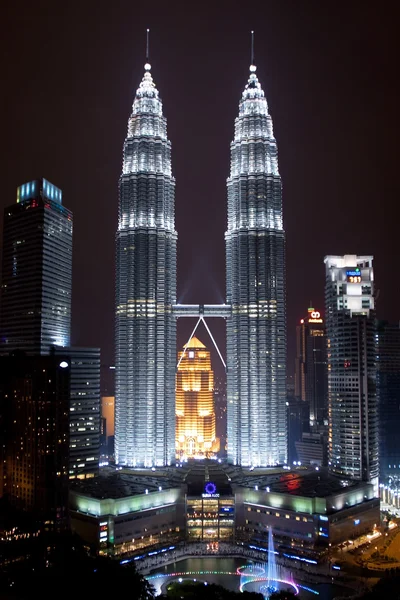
[311, 372]
[195, 411]
[35, 309]
[255, 271]
[351, 357]
[146, 289]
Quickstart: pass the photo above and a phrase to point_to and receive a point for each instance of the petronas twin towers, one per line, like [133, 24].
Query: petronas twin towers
[146, 309]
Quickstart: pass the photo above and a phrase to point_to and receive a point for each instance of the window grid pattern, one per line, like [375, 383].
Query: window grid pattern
[351, 357]
[36, 275]
[255, 259]
[146, 289]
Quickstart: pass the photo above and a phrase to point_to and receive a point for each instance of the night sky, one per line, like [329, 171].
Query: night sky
[69, 71]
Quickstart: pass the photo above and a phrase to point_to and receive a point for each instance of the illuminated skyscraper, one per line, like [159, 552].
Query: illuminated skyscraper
[195, 411]
[35, 309]
[255, 257]
[351, 356]
[146, 289]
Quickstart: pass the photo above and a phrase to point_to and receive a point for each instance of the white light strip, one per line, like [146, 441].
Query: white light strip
[185, 346]
[214, 342]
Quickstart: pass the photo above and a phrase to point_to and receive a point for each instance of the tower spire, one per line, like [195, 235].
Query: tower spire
[147, 45]
[252, 48]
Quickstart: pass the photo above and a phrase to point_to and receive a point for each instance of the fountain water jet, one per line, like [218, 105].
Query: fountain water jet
[272, 570]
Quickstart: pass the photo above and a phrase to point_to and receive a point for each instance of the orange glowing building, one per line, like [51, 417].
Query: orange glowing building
[195, 412]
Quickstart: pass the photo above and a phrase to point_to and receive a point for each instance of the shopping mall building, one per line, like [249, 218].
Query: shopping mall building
[126, 511]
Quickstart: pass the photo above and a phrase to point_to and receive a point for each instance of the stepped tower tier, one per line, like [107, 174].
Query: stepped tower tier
[255, 273]
[146, 289]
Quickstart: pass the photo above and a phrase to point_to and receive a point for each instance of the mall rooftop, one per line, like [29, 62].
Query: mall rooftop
[114, 483]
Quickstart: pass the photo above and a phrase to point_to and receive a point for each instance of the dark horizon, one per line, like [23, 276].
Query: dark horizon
[330, 76]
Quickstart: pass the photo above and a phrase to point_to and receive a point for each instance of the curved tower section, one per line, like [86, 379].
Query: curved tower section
[146, 289]
[255, 272]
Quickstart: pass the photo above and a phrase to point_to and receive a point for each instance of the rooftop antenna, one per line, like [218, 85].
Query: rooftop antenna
[252, 48]
[147, 45]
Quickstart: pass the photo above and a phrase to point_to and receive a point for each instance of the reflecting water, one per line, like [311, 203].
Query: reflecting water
[223, 571]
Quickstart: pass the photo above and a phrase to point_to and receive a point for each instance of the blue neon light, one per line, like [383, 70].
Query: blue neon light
[307, 560]
[210, 488]
[304, 587]
[353, 272]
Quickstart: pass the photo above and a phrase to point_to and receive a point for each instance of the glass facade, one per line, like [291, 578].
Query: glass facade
[146, 239]
[210, 518]
[388, 391]
[351, 357]
[36, 271]
[255, 271]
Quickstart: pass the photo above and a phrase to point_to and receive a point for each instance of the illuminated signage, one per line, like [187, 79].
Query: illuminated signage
[353, 275]
[210, 490]
[314, 316]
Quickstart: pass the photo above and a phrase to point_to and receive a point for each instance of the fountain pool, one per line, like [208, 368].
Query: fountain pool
[228, 572]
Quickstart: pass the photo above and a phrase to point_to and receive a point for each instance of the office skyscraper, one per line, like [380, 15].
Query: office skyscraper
[34, 429]
[35, 309]
[388, 392]
[352, 403]
[146, 289]
[195, 410]
[255, 271]
[311, 373]
[84, 410]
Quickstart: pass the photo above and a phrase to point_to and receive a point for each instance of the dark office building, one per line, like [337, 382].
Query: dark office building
[84, 449]
[298, 417]
[311, 367]
[35, 309]
[388, 391]
[34, 428]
